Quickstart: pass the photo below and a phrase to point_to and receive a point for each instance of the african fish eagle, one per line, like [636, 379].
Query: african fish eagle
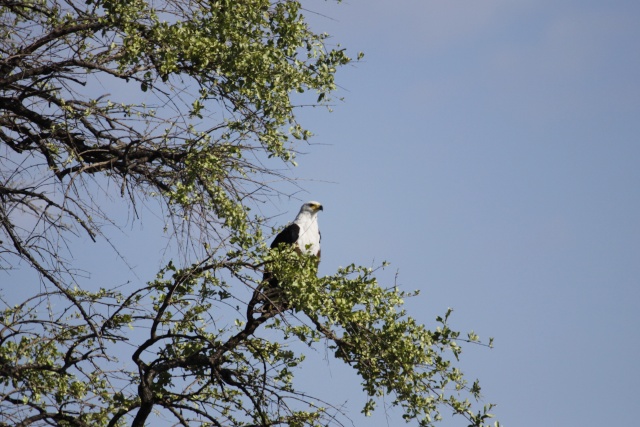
[303, 233]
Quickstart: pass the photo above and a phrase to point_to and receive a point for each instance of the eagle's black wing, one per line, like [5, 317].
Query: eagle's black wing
[289, 236]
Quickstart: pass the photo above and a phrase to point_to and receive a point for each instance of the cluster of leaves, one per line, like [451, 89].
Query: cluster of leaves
[202, 103]
[367, 328]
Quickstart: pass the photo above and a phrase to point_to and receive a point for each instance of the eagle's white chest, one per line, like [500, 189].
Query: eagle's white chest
[309, 237]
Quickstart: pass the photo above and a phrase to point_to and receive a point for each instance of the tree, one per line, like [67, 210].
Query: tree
[203, 111]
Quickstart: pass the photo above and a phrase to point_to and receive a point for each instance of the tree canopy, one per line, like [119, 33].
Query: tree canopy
[185, 108]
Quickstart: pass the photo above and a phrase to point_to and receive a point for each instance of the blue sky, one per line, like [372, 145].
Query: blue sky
[490, 151]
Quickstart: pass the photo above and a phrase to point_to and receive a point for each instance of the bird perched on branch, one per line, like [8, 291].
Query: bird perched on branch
[303, 233]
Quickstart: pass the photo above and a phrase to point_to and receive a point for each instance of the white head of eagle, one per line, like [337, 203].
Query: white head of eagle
[303, 232]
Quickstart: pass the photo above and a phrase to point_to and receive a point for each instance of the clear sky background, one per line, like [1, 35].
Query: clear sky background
[490, 151]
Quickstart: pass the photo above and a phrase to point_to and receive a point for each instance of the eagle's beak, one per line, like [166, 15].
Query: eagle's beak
[320, 208]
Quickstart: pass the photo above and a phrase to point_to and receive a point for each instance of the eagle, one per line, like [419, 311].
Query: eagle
[303, 233]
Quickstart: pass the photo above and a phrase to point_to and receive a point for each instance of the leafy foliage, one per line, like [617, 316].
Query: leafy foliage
[201, 114]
